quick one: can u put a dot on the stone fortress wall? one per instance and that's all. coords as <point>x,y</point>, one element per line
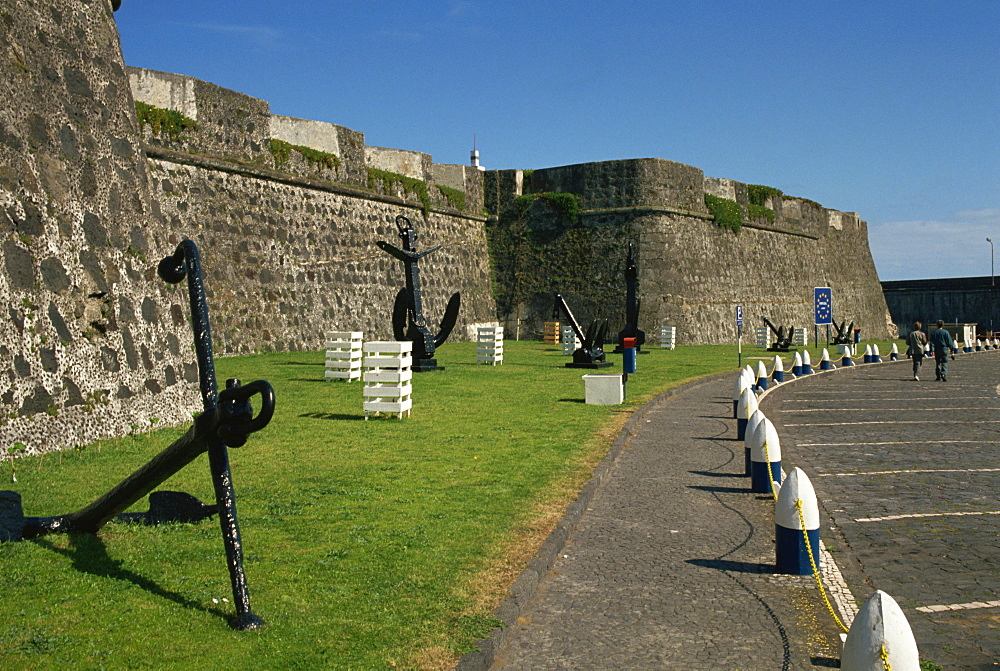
<point>286,213</point>
<point>692,273</point>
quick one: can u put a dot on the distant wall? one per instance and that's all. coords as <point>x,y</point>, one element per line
<point>956,299</point>
<point>692,273</point>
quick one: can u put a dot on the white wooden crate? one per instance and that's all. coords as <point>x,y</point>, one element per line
<point>570,342</point>
<point>489,345</point>
<point>388,378</point>
<point>668,337</point>
<point>343,355</point>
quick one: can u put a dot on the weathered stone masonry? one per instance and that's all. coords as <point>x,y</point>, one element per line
<point>91,199</point>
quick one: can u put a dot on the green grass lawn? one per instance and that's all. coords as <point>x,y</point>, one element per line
<point>369,544</point>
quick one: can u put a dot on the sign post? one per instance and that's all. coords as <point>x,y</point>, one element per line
<point>739,336</point>
<point>823,304</point>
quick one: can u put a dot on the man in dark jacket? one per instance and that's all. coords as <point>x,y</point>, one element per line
<point>942,341</point>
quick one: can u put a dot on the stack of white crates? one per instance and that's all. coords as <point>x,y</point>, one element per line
<point>799,337</point>
<point>489,345</point>
<point>343,355</point>
<point>763,337</point>
<point>570,342</point>
<point>388,378</point>
<point>668,337</point>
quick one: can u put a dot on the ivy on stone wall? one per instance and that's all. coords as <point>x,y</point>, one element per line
<point>168,124</point>
<point>455,198</point>
<point>282,152</point>
<point>725,212</point>
<point>758,194</point>
<point>760,212</point>
<point>539,246</point>
<point>387,182</point>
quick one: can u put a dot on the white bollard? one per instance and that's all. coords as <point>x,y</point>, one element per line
<point>753,425</point>
<point>747,404</point>
<point>894,354</point>
<point>868,354</point>
<point>880,638</point>
<point>761,376</point>
<point>778,370</point>
<point>790,547</point>
<point>765,458</point>
<point>824,362</point>
<point>846,361</point>
<point>742,382</point>
<point>876,355</point>
<point>797,365</point>
<point>807,364</point>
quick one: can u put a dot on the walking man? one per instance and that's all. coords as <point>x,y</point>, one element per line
<point>917,341</point>
<point>942,341</point>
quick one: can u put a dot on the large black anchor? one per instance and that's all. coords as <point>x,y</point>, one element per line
<point>782,337</point>
<point>590,354</point>
<point>408,321</point>
<point>228,420</point>
<point>632,303</point>
<point>844,336</point>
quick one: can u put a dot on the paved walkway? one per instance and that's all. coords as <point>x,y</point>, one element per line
<point>910,474</point>
<point>666,561</point>
<point>670,563</point>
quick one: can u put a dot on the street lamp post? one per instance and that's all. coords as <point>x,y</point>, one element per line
<point>992,285</point>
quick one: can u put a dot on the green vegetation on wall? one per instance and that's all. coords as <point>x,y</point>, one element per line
<point>758,194</point>
<point>386,182</point>
<point>539,246</point>
<point>282,152</point>
<point>725,212</point>
<point>167,124</point>
<point>455,198</point>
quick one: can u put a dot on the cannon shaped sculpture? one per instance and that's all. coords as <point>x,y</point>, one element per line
<point>632,304</point>
<point>228,420</point>
<point>782,337</point>
<point>590,354</point>
<point>408,323</point>
<point>844,336</point>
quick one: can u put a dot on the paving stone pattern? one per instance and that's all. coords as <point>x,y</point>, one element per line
<point>878,444</point>
<point>671,565</point>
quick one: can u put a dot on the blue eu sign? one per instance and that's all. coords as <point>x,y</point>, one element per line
<point>739,315</point>
<point>824,305</point>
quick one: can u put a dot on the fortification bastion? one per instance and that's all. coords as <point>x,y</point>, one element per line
<point>105,168</point>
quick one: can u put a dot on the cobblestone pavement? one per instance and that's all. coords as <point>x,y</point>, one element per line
<point>909,474</point>
<point>671,564</point>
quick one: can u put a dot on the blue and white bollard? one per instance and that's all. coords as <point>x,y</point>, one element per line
<point>807,364</point>
<point>747,404</point>
<point>797,365</point>
<point>753,425</point>
<point>761,376</point>
<point>846,361</point>
<point>876,355</point>
<point>742,382</point>
<point>765,458</point>
<point>880,637</point>
<point>894,354</point>
<point>824,362</point>
<point>967,348</point>
<point>868,354</point>
<point>778,371</point>
<point>790,546</point>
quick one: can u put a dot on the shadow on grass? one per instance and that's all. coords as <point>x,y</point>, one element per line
<point>571,400</point>
<point>330,415</point>
<point>734,566</point>
<point>88,554</point>
<point>300,363</point>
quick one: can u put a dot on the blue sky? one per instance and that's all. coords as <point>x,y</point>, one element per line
<point>888,109</point>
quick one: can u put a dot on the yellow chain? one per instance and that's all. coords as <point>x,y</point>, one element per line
<point>816,575</point>
<point>884,654</point>
<point>767,462</point>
